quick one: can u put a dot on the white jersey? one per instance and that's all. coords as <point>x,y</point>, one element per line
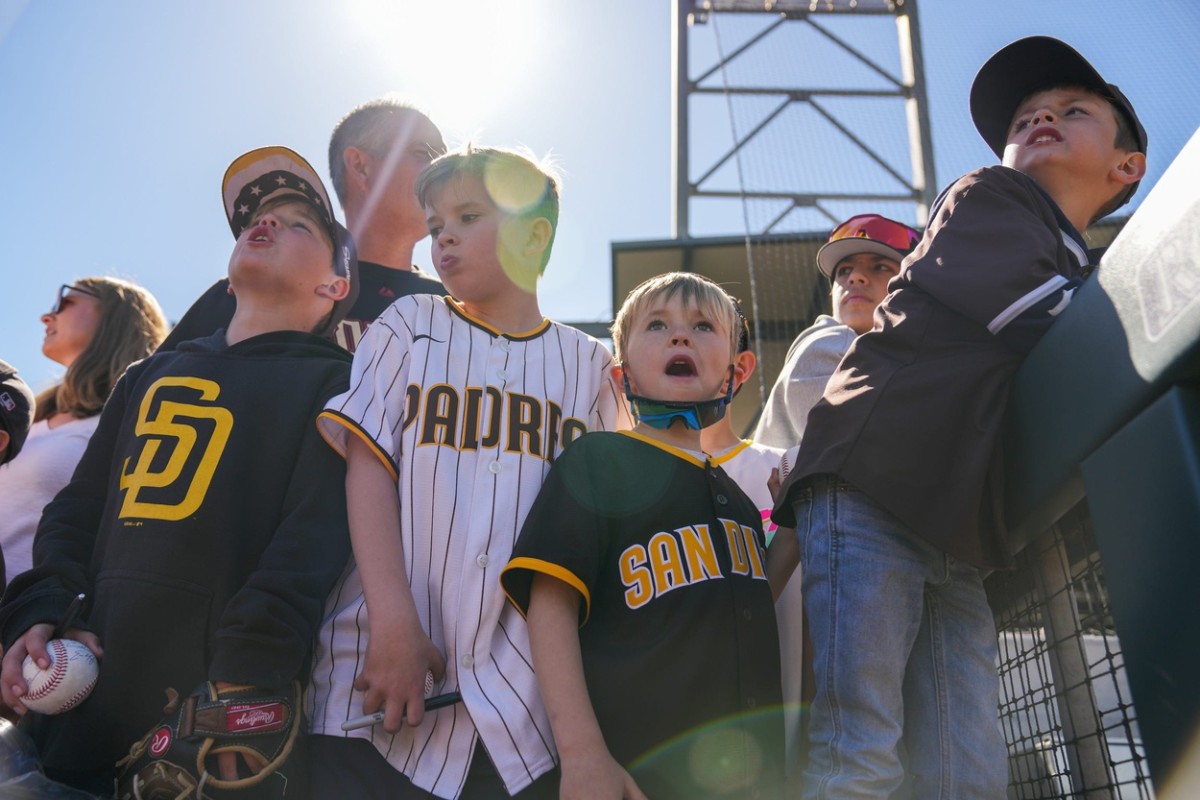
<point>750,464</point>
<point>469,421</point>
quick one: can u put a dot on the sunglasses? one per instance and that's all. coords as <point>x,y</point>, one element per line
<point>894,234</point>
<point>63,298</point>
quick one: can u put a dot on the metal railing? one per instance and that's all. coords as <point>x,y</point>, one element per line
<point>1065,707</point>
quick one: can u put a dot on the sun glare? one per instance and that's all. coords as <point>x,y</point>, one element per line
<point>462,61</point>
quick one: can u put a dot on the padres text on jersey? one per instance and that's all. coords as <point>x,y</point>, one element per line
<point>468,420</point>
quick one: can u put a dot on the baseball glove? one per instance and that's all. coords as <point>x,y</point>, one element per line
<point>177,758</point>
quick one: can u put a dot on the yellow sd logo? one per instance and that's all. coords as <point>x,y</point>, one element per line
<point>164,428</point>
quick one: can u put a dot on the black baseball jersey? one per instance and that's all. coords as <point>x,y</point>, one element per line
<point>678,635</point>
<point>913,414</point>
<point>206,523</point>
<point>378,287</point>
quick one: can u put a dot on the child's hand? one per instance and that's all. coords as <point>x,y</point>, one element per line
<point>33,643</point>
<point>393,676</point>
<point>598,776</point>
<point>773,484</point>
<point>786,462</point>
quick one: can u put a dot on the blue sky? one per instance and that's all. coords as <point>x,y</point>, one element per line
<point>120,117</point>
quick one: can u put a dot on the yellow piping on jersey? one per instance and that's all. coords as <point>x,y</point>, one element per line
<point>454,306</point>
<point>339,445</point>
<point>553,571</point>
<point>675,451</point>
<point>717,461</point>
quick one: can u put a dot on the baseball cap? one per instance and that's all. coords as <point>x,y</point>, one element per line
<point>267,173</point>
<point>866,233</point>
<point>1029,65</point>
<point>16,409</point>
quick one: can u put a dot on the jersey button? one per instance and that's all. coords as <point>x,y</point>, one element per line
<point>494,468</point>
<point>750,701</point>
<point>502,374</point>
<point>746,613</point>
<point>722,499</point>
<point>505,345</point>
<point>481,560</point>
<point>468,662</point>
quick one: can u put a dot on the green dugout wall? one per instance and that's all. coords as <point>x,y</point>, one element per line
<point>1107,408</point>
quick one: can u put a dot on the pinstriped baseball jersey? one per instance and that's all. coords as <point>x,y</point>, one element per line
<point>469,421</point>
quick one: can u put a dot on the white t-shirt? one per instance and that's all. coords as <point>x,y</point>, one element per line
<point>30,481</point>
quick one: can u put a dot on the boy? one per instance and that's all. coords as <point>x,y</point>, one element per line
<point>861,256</point>
<point>896,486</point>
<point>457,409</point>
<point>206,521</point>
<point>641,570</point>
<point>375,155</point>
<point>16,411</point>
<point>16,415</point>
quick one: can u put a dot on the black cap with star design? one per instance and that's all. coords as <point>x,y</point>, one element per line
<point>270,172</point>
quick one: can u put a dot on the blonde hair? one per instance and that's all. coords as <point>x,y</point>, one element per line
<point>692,290</point>
<point>131,327</point>
<point>514,180</point>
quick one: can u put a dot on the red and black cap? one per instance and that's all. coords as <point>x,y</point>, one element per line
<point>866,233</point>
<point>1031,65</point>
<point>270,172</point>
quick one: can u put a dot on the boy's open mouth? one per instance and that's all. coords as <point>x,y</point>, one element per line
<point>681,366</point>
<point>1045,133</point>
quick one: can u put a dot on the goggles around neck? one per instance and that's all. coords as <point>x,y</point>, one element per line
<point>661,414</point>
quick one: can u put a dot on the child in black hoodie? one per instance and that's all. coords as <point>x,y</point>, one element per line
<point>206,521</point>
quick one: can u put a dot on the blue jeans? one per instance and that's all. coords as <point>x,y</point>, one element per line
<point>904,653</point>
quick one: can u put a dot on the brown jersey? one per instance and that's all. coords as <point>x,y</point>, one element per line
<point>913,415</point>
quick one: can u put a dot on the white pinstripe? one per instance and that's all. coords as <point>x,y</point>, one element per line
<point>462,504</point>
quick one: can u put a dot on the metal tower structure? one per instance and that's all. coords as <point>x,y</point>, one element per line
<point>692,176</point>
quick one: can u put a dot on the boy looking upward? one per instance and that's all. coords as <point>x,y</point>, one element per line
<point>376,153</point>
<point>205,547</point>
<point>641,570</point>
<point>896,489</point>
<point>457,408</point>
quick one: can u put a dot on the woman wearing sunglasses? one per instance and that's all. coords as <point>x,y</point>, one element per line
<point>96,328</point>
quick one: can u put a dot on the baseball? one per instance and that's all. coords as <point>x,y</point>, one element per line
<point>70,678</point>
<point>786,462</point>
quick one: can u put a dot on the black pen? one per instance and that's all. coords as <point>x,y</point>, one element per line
<point>69,616</point>
<point>431,704</point>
